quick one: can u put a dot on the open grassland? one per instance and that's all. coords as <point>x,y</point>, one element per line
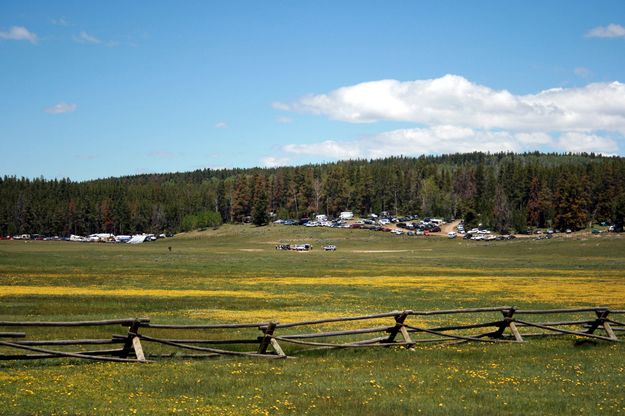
<point>234,274</point>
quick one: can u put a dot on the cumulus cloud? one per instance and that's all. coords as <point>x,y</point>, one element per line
<point>453,100</point>
<point>329,148</point>
<point>86,38</point>
<point>19,33</point>
<point>450,139</point>
<point>578,142</point>
<point>221,125</point>
<point>609,31</point>
<point>60,108</point>
<point>452,114</point>
<point>272,162</point>
<point>536,138</point>
<point>412,142</point>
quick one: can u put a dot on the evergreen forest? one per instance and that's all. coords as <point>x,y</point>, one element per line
<point>502,191</point>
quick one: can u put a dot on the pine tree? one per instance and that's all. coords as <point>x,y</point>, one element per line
<point>619,213</point>
<point>259,213</point>
<point>501,211</point>
<point>571,202</point>
<point>533,204</point>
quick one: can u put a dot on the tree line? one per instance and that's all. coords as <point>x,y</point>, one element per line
<point>504,191</point>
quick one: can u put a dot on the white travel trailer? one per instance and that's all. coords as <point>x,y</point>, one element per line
<point>346,215</point>
<point>101,237</point>
<point>138,239</point>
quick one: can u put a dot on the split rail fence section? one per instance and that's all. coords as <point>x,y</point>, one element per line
<point>401,329</point>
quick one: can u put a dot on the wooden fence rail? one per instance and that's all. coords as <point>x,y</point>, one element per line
<point>404,328</point>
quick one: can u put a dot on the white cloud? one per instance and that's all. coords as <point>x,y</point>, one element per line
<point>452,114</point>
<point>272,162</point>
<point>609,31</point>
<point>61,108</point>
<point>536,138</point>
<point>579,142</point>
<point>221,125</point>
<point>412,142</point>
<point>328,148</point>
<point>86,38</point>
<point>284,120</point>
<point>19,33</point>
<point>453,100</point>
<point>450,139</point>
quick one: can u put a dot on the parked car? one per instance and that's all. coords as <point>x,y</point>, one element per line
<point>329,247</point>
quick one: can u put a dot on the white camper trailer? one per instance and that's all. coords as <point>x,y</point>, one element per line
<point>347,215</point>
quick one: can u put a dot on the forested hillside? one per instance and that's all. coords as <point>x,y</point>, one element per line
<point>503,191</point>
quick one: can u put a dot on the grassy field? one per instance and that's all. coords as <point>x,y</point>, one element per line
<point>234,274</point>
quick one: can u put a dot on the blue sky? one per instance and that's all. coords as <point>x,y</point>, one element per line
<point>99,89</point>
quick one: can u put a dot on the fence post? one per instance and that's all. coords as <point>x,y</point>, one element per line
<point>508,322</point>
<point>602,315</point>
<point>268,339</point>
<point>133,342</point>
<point>399,328</point>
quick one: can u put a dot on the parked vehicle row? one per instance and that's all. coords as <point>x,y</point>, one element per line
<point>93,238</point>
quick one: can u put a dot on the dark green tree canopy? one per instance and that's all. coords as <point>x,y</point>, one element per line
<point>499,190</point>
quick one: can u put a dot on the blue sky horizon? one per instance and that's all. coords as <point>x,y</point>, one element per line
<point>94,90</point>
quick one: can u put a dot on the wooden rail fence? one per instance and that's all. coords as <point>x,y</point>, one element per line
<point>512,326</point>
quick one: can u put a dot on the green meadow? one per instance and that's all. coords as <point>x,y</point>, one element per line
<point>235,275</point>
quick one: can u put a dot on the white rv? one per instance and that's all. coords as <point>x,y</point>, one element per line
<point>346,215</point>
